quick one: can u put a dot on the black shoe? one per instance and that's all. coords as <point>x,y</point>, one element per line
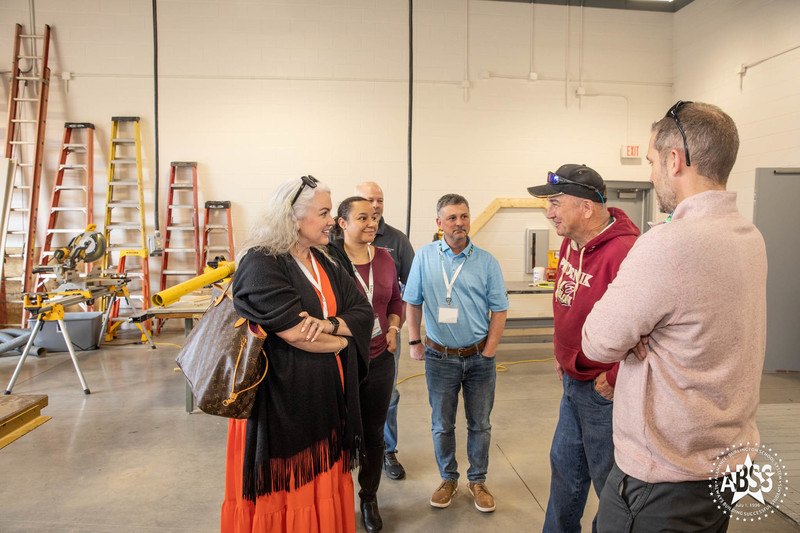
<point>392,467</point>
<point>371,516</point>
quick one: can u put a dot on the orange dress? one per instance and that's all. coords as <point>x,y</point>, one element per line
<point>325,505</point>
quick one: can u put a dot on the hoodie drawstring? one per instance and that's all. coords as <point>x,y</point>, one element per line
<point>580,270</point>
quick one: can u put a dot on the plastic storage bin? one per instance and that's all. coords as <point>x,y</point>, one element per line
<point>83,329</point>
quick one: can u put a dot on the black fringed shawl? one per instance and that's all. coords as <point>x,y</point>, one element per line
<point>302,422</point>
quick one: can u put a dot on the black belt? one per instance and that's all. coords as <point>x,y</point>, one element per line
<point>466,351</point>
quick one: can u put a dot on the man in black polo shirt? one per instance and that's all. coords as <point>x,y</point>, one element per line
<point>399,247</point>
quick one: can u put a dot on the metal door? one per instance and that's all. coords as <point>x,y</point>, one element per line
<point>776,194</point>
<point>634,198</point>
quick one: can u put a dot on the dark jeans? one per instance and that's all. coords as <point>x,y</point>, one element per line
<point>629,505</point>
<point>374,394</point>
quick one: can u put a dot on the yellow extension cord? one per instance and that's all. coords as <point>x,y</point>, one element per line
<point>500,367</point>
<point>169,344</point>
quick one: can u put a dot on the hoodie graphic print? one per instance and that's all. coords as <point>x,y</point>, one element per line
<point>581,279</point>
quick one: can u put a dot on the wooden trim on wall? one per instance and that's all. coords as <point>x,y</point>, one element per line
<point>481,220</point>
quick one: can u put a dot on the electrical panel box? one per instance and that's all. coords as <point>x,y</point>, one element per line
<point>537,242</point>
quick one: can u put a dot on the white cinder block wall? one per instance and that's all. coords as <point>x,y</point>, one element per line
<point>712,38</point>
<point>259,91</point>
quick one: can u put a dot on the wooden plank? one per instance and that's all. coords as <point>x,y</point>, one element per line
<point>20,414</point>
<point>13,404</point>
<point>498,203</point>
<point>481,220</point>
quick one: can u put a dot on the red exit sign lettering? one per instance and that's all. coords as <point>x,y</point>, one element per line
<point>630,151</point>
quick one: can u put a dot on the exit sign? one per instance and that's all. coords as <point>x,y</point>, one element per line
<point>630,151</point>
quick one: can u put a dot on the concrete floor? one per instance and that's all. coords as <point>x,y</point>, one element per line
<point>129,458</point>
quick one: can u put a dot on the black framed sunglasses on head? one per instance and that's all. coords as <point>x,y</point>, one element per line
<point>308,181</point>
<point>554,179</point>
<point>673,114</point>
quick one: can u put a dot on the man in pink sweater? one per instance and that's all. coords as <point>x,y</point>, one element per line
<point>596,240</point>
<point>686,315</point>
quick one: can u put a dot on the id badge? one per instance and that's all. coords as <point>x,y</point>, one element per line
<point>376,328</point>
<point>448,315</point>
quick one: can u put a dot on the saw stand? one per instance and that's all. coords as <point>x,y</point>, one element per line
<point>49,309</point>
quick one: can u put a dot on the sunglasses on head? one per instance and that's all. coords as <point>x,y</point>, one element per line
<point>673,114</point>
<point>308,181</point>
<point>555,179</point>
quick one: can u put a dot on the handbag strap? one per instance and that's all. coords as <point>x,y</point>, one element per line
<point>218,300</point>
<point>234,394</point>
<point>221,298</point>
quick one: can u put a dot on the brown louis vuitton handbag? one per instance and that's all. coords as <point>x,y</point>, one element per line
<point>224,360</point>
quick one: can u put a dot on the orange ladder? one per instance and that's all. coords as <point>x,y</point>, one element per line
<point>25,130</point>
<point>211,228</point>
<point>72,193</point>
<point>187,249</point>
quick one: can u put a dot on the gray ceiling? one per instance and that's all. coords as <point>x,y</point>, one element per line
<point>640,5</point>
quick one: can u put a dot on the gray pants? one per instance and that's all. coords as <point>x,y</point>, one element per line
<point>629,505</point>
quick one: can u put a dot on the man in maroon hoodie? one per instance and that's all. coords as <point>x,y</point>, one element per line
<point>596,240</point>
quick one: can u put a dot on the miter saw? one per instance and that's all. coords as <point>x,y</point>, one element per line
<point>73,289</point>
<point>87,247</point>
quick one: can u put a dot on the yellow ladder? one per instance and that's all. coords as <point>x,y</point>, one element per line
<point>125,229</point>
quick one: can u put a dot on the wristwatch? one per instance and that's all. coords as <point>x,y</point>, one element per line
<point>335,323</point>
<point>412,343</point>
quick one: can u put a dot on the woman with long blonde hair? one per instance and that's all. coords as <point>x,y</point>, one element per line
<point>288,465</point>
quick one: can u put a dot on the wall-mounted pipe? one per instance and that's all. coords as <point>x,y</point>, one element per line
<point>465,83</point>
<point>410,107</point>
<point>580,58</point>
<point>743,68</point>
<point>566,61</point>
<point>532,62</point>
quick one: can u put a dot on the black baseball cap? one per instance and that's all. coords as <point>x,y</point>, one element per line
<point>574,180</point>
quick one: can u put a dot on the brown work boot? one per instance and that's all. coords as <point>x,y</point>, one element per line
<point>484,501</point>
<point>443,496</point>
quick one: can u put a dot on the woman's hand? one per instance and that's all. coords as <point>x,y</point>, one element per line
<point>312,327</point>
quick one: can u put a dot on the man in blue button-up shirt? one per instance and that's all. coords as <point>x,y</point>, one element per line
<point>460,284</point>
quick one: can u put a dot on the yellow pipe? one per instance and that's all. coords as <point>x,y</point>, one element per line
<point>173,294</point>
